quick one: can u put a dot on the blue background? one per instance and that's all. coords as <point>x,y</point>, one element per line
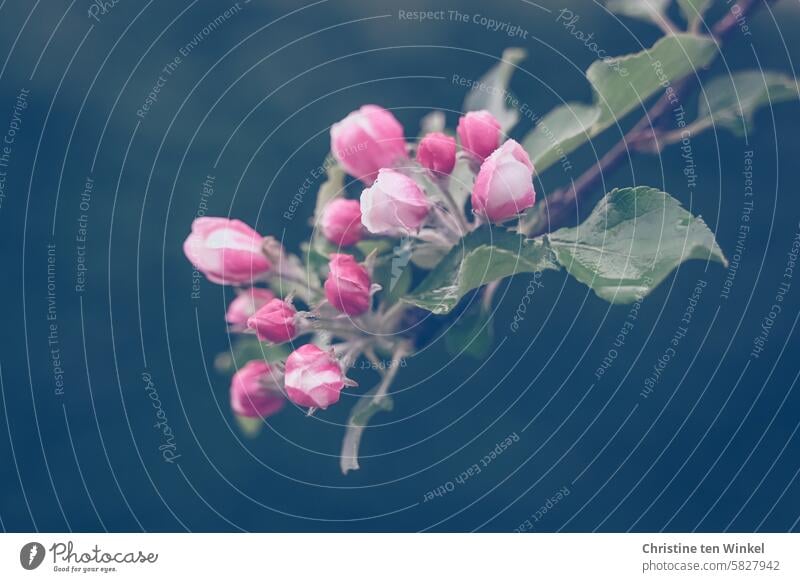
<point>713,448</point>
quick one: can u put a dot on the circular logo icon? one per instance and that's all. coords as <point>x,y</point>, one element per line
<point>31,555</point>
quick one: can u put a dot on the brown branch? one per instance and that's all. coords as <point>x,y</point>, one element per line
<point>560,206</point>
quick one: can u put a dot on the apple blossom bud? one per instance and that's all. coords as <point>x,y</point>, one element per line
<point>366,141</point>
<point>341,222</point>
<point>255,390</point>
<point>394,205</point>
<point>437,152</point>
<point>479,133</point>
<point>314,377</point>
<point>274,321</point>
<point>348,286</point>
<point>246,304</point>
<point>226,251</point>
<point>504,188</point>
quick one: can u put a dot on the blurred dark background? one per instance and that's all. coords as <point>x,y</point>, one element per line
<point>713,447</point>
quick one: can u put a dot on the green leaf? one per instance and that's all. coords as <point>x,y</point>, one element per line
<point>426,255</point>
<point>378,245</point>
<point>246,348</point>
<point>472,333</point>
<point>559,133</point>
<point>331,188</point>
<point>631,241</point>
<point>491,92</point>
<point>316,256</point>
<point>462,178</point>
<point>619,85</point>
<point>693,10</point>
<point>730,101</point>
<point>316,253</point>
<point>648,10</point>
<point>483,256</point>
<point>360,416</point>
<point>645,73</point>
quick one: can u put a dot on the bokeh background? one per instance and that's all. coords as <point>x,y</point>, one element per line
<point>714,447</point>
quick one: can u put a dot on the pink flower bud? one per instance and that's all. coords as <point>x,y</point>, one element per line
<point>341,222</point>
<point>437,152</point>
<point>226,251</point>
<point>479,133</point>
<point>394,205</point>
<point>274,321</point>
<point>366,141</point>
<point>347,287</point>
<point>313,377</point>
<point>504,188</point>
<point>246,304</point>
<point>255,390</point>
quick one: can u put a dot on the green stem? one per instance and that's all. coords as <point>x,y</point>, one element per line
<point>457,212</point>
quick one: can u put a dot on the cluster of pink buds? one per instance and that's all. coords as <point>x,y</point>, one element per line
<point>405,196</point>
<point>229,252</point>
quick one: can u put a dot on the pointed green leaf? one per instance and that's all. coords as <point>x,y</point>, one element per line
<point>559,133</point>
<point>483,256</point>
<point>620,85</point>
<point>491,92</point>
<point>625,83</point>
<point>462,178</point>
<point>331,188</point>
<point>631,241</point>
<point>426,255</point>
<point>731,100</point>
<point>380,246</point>
<point>471,334</point>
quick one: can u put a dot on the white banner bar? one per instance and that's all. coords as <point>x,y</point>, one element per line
<point>400,557</point>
